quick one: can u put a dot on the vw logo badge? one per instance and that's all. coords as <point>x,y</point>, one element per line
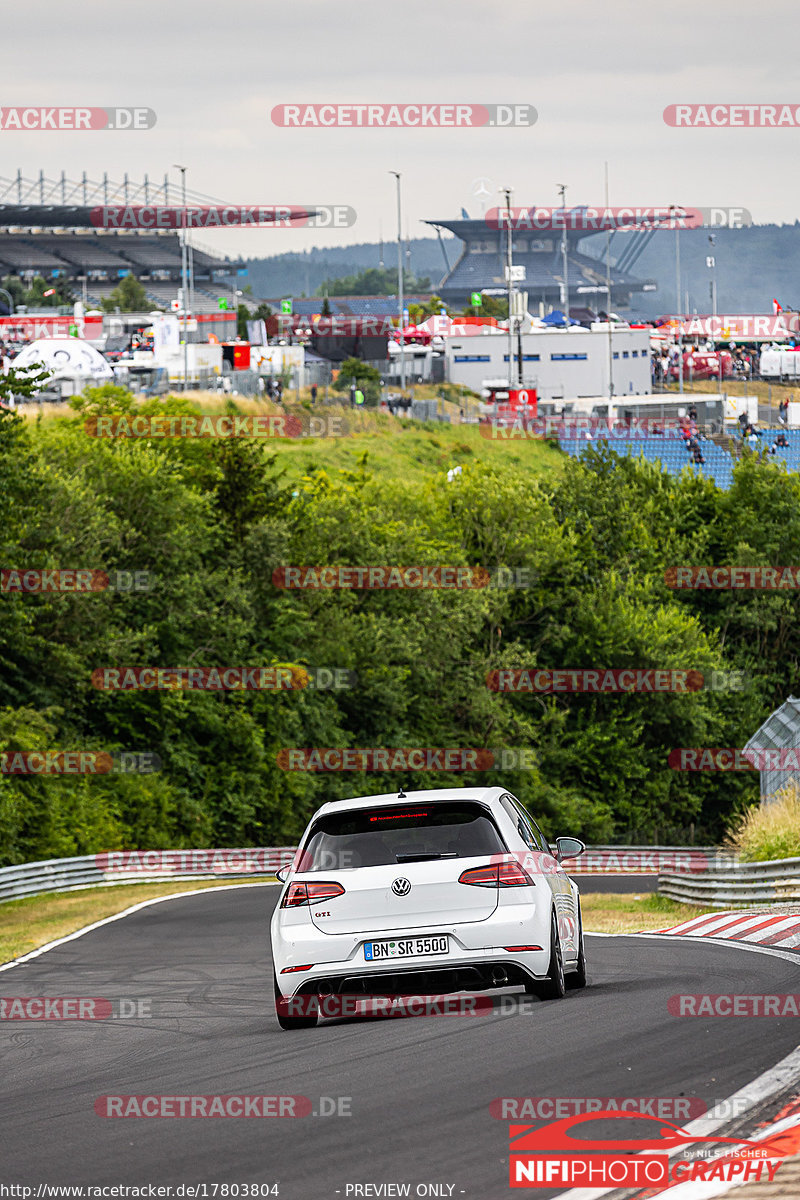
<point>401,887</point>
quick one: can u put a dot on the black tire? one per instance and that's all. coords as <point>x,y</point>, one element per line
<point>292,1022</point>
<point>577,978</point>
<point>553,987</point>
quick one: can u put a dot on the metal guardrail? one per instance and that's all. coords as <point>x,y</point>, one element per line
<point>740,884</point>
<point>123,867</point>
<point>115,867</point>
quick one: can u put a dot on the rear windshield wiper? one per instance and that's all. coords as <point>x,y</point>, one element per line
<point>424,857</point>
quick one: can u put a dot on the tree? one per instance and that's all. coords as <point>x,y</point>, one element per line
<point>493,306</point>
<point>367,378</point>
<point>242,317</point>
<point>374,281</point>
<point>430,308</point>
<point>22,382</point>
<point>128,296</point>
<point>325,311</point>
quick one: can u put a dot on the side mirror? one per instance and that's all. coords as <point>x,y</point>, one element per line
<point>282,874</point>
<point>568,847</point>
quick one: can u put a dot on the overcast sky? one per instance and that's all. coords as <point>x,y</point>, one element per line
<point>599,76</point>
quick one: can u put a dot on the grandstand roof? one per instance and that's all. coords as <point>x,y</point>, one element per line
<point>482,264</point>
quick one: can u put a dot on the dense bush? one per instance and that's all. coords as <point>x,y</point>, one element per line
<point>762,834</point>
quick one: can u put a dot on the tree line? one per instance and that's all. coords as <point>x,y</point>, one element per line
<point>209,522</point>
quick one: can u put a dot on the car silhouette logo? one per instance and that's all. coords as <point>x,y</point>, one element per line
<point>401,886</point>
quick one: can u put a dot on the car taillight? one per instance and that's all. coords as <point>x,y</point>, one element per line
<point>519,949</point>
<point>504,874</point>
<point>298,894</point>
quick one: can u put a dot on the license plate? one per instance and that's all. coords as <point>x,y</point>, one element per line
<point>405,948</point>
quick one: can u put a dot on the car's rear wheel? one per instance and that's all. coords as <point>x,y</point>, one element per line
<point>553,986</point>
<point>577,978</point>
<point>288,1020</point>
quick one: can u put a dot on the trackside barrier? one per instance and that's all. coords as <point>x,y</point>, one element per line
<point>116,867</point>
<point>138,866</point>
<point>775,882</point>
<point>646,860</point>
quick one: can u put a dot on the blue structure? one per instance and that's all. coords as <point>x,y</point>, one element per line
<point>670,452</point>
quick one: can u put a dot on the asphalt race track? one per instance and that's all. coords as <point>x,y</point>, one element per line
<point>420,1088</point>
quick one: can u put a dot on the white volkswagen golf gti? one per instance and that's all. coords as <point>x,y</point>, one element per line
<point>421,894</point>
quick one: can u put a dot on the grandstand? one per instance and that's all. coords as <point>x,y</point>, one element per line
<point>669,452</point>
<point>43,231</point>
<point>481,267</point>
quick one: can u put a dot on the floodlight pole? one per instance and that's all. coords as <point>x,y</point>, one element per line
<point>509,273</point>
<point>184,281</point>
<point>674,209</point>
<point>608,314</point>
<point>562,188</point>
<point>400,282</point>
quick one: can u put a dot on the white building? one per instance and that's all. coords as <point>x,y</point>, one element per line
<point>560,364</point>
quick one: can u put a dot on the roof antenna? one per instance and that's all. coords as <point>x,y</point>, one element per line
<point>401,794</point>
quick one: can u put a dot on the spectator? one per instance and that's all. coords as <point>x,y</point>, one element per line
<point>783,411</point>
<point>692,413</point>
<point>697,455</point>
<point>313,393</point>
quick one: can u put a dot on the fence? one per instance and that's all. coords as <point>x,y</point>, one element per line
<point>138,866</point>
<point>776,882</point>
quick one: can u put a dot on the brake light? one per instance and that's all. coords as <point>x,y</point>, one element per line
<point>503,874</point>
<point>298,894</point>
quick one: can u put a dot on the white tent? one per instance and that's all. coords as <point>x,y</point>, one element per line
<point>66,358</point>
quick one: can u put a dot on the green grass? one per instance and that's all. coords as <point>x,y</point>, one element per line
<point>27,924</point>
<point>630,912</point>
<point>395,447</point>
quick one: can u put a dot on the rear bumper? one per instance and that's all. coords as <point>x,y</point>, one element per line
<point>337,964</point>
<point>418,980</point>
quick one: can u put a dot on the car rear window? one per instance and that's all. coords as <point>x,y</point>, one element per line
<point>379,837</point>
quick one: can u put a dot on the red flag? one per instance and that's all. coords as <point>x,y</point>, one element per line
<point>776,308</point>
